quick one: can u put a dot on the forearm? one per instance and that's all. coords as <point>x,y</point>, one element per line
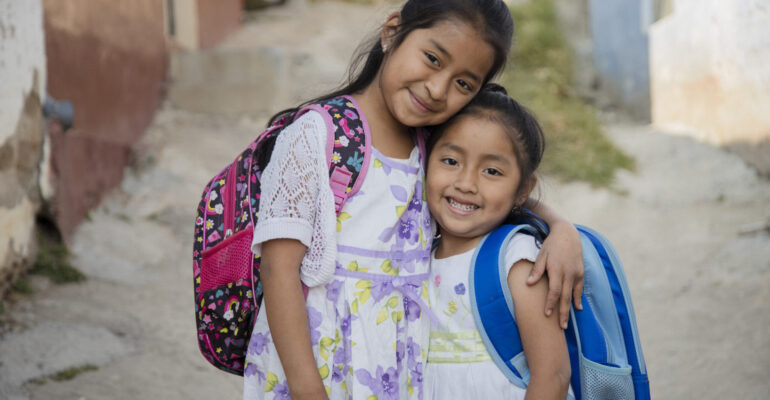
<point>553,385</point>
<point>548,214</point>
<point>288,322</point>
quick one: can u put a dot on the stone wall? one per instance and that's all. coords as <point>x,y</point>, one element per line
<point>22,86</point>
<point>710,77</point>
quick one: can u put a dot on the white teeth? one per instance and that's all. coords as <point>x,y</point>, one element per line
<point>464,207</point>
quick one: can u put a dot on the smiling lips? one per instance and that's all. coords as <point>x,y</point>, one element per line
<point>461,207</point>
<point>420,104</point>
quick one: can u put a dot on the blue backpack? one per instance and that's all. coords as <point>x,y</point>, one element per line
<point>602,339</point>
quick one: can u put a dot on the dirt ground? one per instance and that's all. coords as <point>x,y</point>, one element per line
<point>691,225</point>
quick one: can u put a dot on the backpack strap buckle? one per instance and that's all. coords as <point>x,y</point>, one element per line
<point>339,181</point>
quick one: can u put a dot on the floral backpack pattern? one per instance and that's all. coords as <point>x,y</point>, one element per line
<point>225,271</point>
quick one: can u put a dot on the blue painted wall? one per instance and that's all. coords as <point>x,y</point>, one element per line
<point>621,52</point>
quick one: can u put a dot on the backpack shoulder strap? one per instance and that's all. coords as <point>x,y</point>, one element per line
<point>492,304</point>
<point>348,145</point>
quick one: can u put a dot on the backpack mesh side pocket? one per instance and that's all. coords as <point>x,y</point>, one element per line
<point>605,382</point>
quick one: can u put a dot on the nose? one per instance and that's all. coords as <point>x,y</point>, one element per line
<point>438,86</point>
<point>466,181</point>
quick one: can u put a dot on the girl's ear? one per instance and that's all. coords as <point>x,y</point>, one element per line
<point>390,29</point>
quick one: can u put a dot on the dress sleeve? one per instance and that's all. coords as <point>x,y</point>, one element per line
<point>296,201</point>
<point>521,247</point>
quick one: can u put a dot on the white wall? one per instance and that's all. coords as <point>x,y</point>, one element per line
<point>22,53</point>
<point>22,77</point>
<point>710,70</point>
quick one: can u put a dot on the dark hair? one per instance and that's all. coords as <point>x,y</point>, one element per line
<point>492,102</point>
<point>491,18</point>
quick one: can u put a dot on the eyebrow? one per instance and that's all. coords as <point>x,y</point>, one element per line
<point>446,54</point>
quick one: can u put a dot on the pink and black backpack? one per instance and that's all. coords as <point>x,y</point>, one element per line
<point>225,271</point>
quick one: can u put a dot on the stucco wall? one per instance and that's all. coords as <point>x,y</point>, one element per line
<point>710,74</point>
<point>620,52</point>
<point>217,19</point>
<point>109,59</point>
<point>202,24</point>
<point>22,85</point>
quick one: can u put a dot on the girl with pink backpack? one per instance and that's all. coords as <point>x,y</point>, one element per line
<point>363,251</point>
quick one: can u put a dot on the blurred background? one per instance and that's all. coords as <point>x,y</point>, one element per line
<point>114,115</point>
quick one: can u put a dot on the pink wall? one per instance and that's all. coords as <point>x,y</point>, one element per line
<point>109,59</point>
<point>217,19</point>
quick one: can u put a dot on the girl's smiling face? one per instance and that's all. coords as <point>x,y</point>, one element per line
<point>433,72</point>
<point>472,181</point>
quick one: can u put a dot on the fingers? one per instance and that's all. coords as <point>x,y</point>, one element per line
<point>538,269</point>
<point>565,301</point>
<point>554,292</point>
<point>577,292</point>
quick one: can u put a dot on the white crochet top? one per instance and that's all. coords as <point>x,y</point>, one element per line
<point>296,200</point>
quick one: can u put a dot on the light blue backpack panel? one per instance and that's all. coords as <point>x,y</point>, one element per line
<point>602,339</point>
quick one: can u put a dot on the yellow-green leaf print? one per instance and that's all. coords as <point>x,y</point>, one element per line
<point>326,341</point>
<point>342,217</point>
<point>387,267</point>
<point>377,163</point>
<point>400,211</point>
<point>324,371</point>
<point>354,306</point>
<point>382,315</point>
<point>272,380</point>
<point>393,302</point>
<point>325,353</point>
<point>372,397</point>
<point>397,316</point>
<point>451,309</point>
<point>365,292</point>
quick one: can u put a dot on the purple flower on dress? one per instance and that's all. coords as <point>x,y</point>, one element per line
<point>281,391</point>
<point>333,290</point>
<point>460,288</point>
<point>416,373</point>
<point>408,230</point>
<point>252,370</point>
<point>416,202</point>
<point>345,324</point>
<point>417,379</point>
<point>411,309</point>
<point>258,343</point>
<point>412,353</point>
<point>314,319</point>
<point>381,289</point>
<point>384,385</point>
<point>337,372</point>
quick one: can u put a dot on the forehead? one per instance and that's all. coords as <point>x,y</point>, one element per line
<point>463,43</point>
<point>478,134</point>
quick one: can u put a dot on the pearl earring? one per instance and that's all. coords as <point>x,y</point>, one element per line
<point>384,48</point>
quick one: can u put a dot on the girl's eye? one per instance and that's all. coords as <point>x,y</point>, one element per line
<point>432,59</point>
<point>493,171</point>
<point>449,161</point>
<point>465,85</point>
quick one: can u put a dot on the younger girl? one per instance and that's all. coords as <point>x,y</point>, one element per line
<point>480,171</point>
<point>361,330</point>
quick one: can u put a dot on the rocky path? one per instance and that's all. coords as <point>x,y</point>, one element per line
<point>690,225</point>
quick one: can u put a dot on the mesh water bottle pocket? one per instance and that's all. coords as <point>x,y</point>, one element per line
<point>605,382</point>
<point>228,261</point>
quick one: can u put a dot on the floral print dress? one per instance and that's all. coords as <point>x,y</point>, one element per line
<point>367,325</point>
